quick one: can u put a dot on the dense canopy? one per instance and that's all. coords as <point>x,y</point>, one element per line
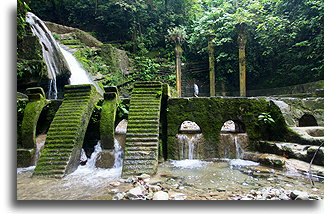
<point>284,39</point>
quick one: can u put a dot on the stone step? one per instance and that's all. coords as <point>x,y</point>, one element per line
<point>140,162</point>
<point>72,105</point>
<point>145,121</point>
<point>59,164</point>
<point>59,146</point>
<point>63,128</point>
<point>66,138</point>
<point>57,154</point>
<point>140,155</point>
<point>144,110</point>
<point>148,114</point>
<point>143,117</point>
<point>144,100</point>
<point>142,144</point>
<point>141,139</point>
<point>68,117</point>
<point>68,113</point>
<point>142,135</point>
<point>71,132</point>
<point>61,124</point>
<point>58,150</point>
<point>147,130</point>
<point>80,95</point>
<point>77,100</point>
<point>50,166</point>
<point>130,125</point>
<point>143,148</point>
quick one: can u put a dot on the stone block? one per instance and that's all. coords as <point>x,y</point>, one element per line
<point>25,157</point>
<point>106,159</point>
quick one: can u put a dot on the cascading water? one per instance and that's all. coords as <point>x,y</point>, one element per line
<point>189,146</point>
<point>119,154</point>
<point>57,58</point>
<point>50,51</point>
<point>78,74</point>
<point>232,144</point>
<point>232,141</point>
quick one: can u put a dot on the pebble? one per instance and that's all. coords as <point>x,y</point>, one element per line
<point>160,195</point>
<point>178,196</point>
<point>114,183</point>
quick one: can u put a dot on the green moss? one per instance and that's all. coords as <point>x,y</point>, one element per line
<point>71,42</point>
<point>25,157</point>
<point>29,123</point>
<point>107,123</point>
<point>21,105</point>
<point>211,113</point>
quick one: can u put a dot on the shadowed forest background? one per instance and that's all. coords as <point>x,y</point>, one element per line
<point>283,40</point>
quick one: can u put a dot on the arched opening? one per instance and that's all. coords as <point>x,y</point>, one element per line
<point>120,132</point>
<point>307,120</point>
<point>189,141</point>
<point>233,139</point>
<point>234,126</point>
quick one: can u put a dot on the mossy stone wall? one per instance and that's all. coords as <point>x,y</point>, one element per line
<point>210,113</point>
<point>29,122</point>
<point>108,117</point>
<point>294,108</point>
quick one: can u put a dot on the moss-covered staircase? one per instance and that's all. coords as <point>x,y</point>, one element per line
<point>62,150</point>
<point>142,137</point>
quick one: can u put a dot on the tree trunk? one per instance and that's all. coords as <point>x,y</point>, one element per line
<point>178,53</point>
<point>241,41</point>
<point>211,58</point>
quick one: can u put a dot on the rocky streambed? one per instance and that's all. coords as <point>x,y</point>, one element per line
<point>221,180</point>
<point>175,180</point>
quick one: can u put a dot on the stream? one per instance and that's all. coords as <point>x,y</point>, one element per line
<point>218,179</point>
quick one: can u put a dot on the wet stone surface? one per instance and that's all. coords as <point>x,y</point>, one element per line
<point>177,180</point>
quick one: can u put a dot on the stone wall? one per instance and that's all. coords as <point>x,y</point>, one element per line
<point>211,113</point>
<point>294,109</point>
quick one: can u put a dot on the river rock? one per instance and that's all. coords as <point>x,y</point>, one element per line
<point>135,193</point>
<point>299,195</point>
<point>154,188</point>
<point>119,196</point>
<point>178,196</point>
<point>143,177</point>
<point>114,183</point>
<point>160,195</point>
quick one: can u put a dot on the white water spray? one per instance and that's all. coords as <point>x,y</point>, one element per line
<point>78,74</point>
<point>189,145</point>
<point>49,48</point>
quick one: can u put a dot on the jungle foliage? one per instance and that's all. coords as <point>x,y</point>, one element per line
<point>284,39</point>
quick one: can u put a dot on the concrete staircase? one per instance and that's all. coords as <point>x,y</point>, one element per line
<point>62,150</point>
<point>142,138</point>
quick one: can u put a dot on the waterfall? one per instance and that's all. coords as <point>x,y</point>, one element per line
<point>189,146</point>
<point>232,144</point>
<point>118,152</point>
<point>50,51</point>
<point>78,74</point>
<point>91,163</point>
<point>238,148</point>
